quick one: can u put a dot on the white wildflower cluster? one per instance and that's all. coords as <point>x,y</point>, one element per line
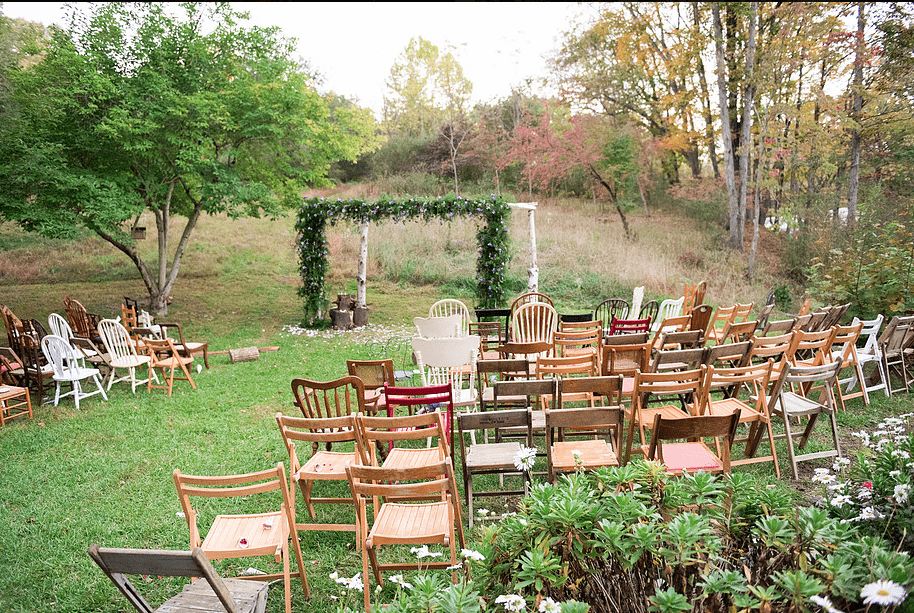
<point>525,458</point>
<point>548,605</point>
<point>825,603</point>
<point>398,580</point>
<point>351,583</point>
<point>471,554</point>
<point>423,552</point>
<point>512,602</point>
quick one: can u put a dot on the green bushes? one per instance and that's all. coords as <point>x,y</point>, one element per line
<point>630,539</point>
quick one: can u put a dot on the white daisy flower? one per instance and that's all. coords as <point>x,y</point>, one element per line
<point>840,500</point>
<point>398,579</point>
<point>825,603</point>
<point>885,593</point>
<point>472,555</point>
<point>525,458</point>
<point>901,493</point>
<point>548,605</point>
<point>512,602</point>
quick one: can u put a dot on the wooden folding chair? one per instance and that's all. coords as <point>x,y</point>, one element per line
<point>406,523</point>
<point>626,360</point>
<point>165,356</point>
<point>685,386</point>
<point>212,594</point>
<point>245,535</point>
<point>721,318</point>
<point>693,455</point>
<point>390,435</point>
<point>844,348</point>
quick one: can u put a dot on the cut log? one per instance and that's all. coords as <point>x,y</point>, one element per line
<point>245,354</point>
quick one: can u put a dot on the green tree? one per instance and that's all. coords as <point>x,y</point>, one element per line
<point>177,110</point>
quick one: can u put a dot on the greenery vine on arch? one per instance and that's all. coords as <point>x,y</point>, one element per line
<point>491,238</point>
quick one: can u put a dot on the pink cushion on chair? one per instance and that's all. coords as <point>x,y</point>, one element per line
<point>13,366</point>
<point>690,456</point>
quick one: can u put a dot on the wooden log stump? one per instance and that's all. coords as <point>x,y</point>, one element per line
<point>245,354</point>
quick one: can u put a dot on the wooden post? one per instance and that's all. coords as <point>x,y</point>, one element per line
<point>533,273</point>
<point>362,297</point>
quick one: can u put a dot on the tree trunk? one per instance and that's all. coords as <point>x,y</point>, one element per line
<point>853,183</point>
<point>746,138</point>
<point>729,171</point>
<point>362,292</point>
<point>706,101</point>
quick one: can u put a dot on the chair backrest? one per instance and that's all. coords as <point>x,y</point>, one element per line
<point>775,347</point>
<point>128,314</point>
<point>650,310</point>
<point>765,313</point>
<point>337,398</point>
<point>637,300</point>
<point>846,338</point>
<point>811,345</point>
<point>60,355</point>
<point>11,322</point>
<point>741,312</point>
<point>802,321</point>
<point>578,340</point>
<point>495,420</point>
<point>687,339</point>
<point>870,334</point>
<point>701,317</point>
<point>542,388</point>
<point>791,374</point>
<point>558,367</point>
<point>778,326</point>
<point>610,309</point>
<point>688,358</point>
<point>446,360</point>
<point>684,385</point>
<point>816,319</point>
<point>756,377</point>
<point>671,308</point>
<point>528,298</point>
<point>116,563</point>
<point>588,419</point>
<point>722,316</point>
<point>734,354</point>
<point>161,349</point>
<point>896,341</point>
<point>737,332</point>
<point>490,334</point>
<point>693,295</point>
<point>804,308</point>
<point>81,321</point>
<point>626,339</point>
<point>677,323</point>
<point>625,360</point>
<point>426,423</point>
<point>608,387</point>
<point>694,427</point>
<point>451,306</point>
<point>59,326</point>
<point>534,322</point>
<point>373,373</point>
<point>116,339</point>
<point>439,327</point>
<point>326,430</point>
<point>628,326</point>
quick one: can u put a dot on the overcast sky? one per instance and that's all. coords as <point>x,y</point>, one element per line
<point>353,45</point>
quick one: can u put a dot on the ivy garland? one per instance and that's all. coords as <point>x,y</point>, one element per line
<point>491,238</point>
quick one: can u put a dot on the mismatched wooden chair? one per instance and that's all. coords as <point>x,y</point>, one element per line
<point>610,309</point>
<point>692,455</point>
<point>374,374</point>
<point>165,356</point>
<point>684,386</point>
<point>211,595</point>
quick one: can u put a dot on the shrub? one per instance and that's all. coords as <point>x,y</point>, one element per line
<point>631,539</point>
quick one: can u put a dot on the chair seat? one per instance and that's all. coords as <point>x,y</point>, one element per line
<point>728,405</point>
<point>77,373</point>
<point>199,597</point>
<point>594,454</point>
<point>329,465</point>
<point>796,405</point>
<point>403,457</point>
<point>190,346</point>
<point>224,537</point>
<point>492,456</point>
<point>428,523</point>
<point>174,361</point>
<point>130,361</point>
<point>690,456</point>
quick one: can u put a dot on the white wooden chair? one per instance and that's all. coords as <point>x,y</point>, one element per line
<point>452,306</point>
<point>439,327</point>
<point>123,354</point>
<point>668,308</point>
<point>451,361</point>
<point>67,369</point>
<point>61,327</point>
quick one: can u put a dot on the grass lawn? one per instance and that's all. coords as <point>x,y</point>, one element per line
<point>104,473</point>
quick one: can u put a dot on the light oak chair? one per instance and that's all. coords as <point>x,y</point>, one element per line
<point>165,356</point>
<point>374,374</point>
<point>244,535</point>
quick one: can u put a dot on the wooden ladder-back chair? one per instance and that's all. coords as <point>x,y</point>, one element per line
<point>244,535</point>
<point>560,368</point>
<point>451,306</point>
<point>789,406</point>
<point>610,309</point>
<point>492,458</point>
<point>213,594</point>
<point>693,455</point>
<point>123,354</point>
<point>323,465</point>
<point>870,352</point>
<point>701,318</point>
<point>844,348</point>
<point>323,399</point>
<point>374,374</point>
<point>668,308</point>
<point>68,369</point>
<point>535,322</point>
<point>693,295</point>
<point>165,356</point>
<point>730,382</point>
<point>629,326</point>
<point>684,386</point>
<point>406,523</point>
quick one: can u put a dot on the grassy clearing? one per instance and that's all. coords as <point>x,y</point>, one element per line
<point>103,474</point>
